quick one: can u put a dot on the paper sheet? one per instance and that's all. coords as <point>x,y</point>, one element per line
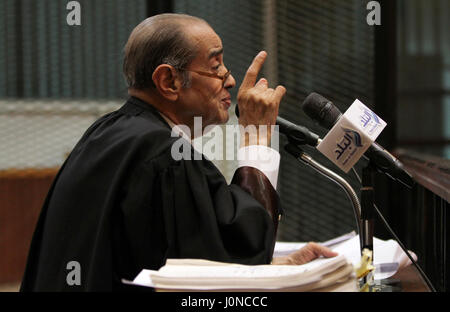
<point>388,256</point>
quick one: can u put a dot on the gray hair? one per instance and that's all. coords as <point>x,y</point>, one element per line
<point>157,40</point>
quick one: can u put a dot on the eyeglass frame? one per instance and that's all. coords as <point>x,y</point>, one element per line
<point>212,75</point>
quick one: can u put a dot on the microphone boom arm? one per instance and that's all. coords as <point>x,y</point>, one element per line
<point>301,156</point>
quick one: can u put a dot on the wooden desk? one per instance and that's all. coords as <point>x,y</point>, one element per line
<point>410,280</point>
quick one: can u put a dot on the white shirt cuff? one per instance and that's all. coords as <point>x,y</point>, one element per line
<point>263,158</point>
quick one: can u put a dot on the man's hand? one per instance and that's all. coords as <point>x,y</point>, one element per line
<point>306,254</point>
<point>258,104</point>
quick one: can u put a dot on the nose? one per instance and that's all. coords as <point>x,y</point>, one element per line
<point>230,82</point>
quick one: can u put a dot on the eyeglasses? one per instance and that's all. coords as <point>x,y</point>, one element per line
<point>212,75</point>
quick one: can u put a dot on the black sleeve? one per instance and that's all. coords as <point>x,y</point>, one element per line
<point>187,210</point>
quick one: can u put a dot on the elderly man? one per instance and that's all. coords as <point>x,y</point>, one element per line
<point>122,203</point>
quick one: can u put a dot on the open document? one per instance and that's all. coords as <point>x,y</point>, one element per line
<point>323,274</point>
<point>331,274</point>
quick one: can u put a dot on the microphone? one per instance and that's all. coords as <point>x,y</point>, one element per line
<point>324,113</point>
<point>296,134</point>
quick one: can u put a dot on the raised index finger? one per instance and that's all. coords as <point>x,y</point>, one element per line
<point>253,71</point>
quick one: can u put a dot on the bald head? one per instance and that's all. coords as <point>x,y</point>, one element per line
<point>160,39</point>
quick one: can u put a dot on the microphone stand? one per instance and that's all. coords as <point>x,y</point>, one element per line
<point>301,156</point>
<point>368,209</point>
<point>364,214</point>
<point>367,223</point>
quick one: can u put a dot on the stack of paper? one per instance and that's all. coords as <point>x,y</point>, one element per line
<point>323,274</point>
<point>331,274</point>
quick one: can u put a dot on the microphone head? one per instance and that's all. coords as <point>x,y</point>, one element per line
<point>321,110</point>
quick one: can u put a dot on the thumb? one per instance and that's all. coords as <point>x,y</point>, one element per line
<point>324,251</point>
<point>262,84</point>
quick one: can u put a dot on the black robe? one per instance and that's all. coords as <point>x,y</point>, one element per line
<point>120,203</point>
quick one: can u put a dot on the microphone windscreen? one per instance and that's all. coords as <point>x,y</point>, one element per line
<point>321,110</point>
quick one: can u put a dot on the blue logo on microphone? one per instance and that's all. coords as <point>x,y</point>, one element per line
<point>351,139</point>
<point>355,135</point>
<point>369,118</point>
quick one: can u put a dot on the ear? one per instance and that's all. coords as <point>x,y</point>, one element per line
<point>167,81</point>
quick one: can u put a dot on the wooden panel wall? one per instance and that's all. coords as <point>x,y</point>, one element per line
<point>22,193</point>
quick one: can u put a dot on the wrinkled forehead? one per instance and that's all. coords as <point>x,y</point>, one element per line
<point>208,43</point>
